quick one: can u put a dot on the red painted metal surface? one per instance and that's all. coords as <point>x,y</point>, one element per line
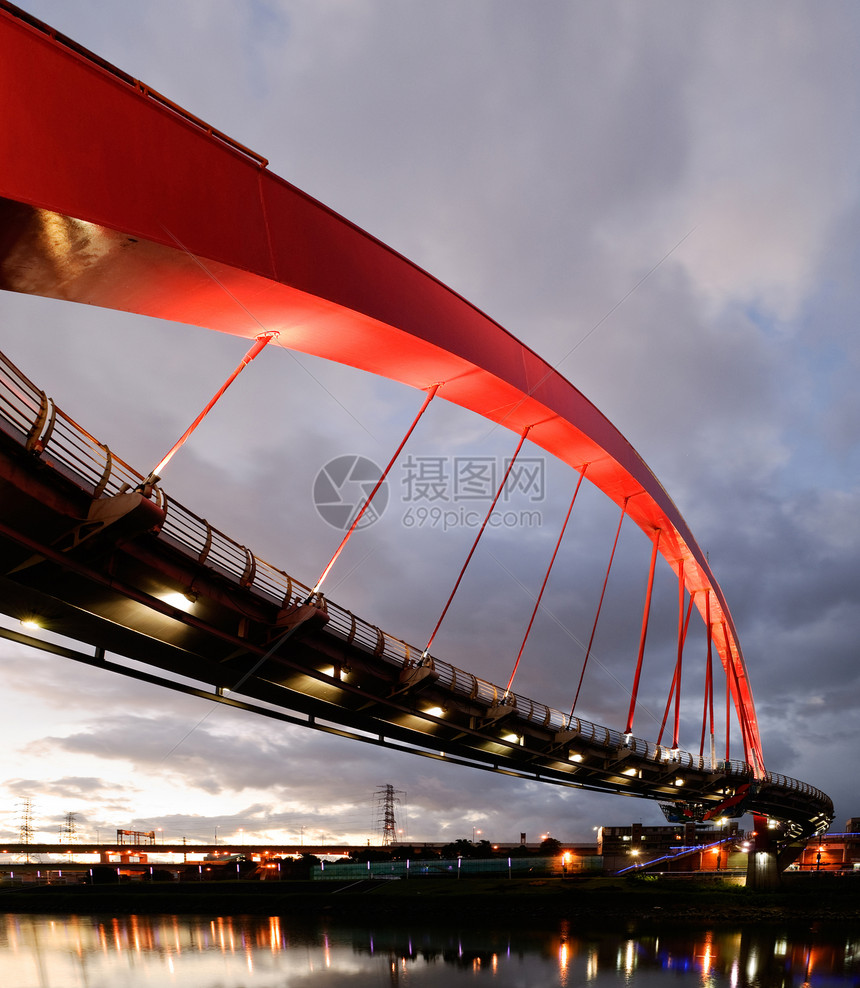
<point>115,197</point>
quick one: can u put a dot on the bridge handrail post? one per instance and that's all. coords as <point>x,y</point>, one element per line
<point>40,433</point>
<point>247,578</point>
<point>106,472</point>
<point>27,408</point>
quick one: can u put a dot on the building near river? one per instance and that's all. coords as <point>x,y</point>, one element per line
<point>636,845</point>
<point>832,852</point>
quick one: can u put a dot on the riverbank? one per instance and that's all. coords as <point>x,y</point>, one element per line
<point>602,900</point>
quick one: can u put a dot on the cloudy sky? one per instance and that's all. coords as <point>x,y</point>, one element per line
<point>660,198</point>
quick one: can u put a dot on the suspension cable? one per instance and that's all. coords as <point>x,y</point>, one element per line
<point>728,691</point>
<point>260,341</point>
<point>545,579</point>
<point>597,615</point>
<point>645,615</point>
<point>742,713</point>
<point>711,691</point>
<point>675,687</point>
<point>682,639</point>
<point>709,684</point>
<point>431,394</point>
<point>425,654</point>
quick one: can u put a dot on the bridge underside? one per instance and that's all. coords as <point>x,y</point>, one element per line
<point>97,571</point>
<point>109,594</point>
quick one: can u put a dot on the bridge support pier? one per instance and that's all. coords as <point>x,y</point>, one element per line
<point>762,870</point>
<point>763,859</point>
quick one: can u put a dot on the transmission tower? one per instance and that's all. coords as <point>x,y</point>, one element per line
<point>25,828</point>
<point>69,832</point>
<point>385,799</point>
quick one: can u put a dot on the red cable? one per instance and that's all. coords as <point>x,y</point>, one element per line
<point>545,579</point>
<point>742,714</point>
<point>475,543</point>
<point>710,671</point>
<point>259,342</point>
<point>675,687</point>
<point>709,683</point>
<point>668,704</point>
<point>728,690</point>
<point>682,640</point>
<point>676,677</point>
<point>708,674</point>
<point>597,615</point>
<point>431,394</point>
<point>645,615</point>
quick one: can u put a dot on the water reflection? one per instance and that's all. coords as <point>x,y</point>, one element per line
<point>195,952</point>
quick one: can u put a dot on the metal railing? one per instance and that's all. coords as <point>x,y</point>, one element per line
<point>795,785</point>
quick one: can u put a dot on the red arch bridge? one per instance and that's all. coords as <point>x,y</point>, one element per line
<point>103,201</point>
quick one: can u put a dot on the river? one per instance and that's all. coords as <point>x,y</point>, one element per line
<point>252,952</point>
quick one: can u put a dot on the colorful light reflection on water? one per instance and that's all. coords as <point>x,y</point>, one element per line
<point>251,952</point>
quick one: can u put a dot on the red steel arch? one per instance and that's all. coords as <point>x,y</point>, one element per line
<point>114,196</point>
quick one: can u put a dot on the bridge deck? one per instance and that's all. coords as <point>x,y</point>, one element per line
<point>97,562</point>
